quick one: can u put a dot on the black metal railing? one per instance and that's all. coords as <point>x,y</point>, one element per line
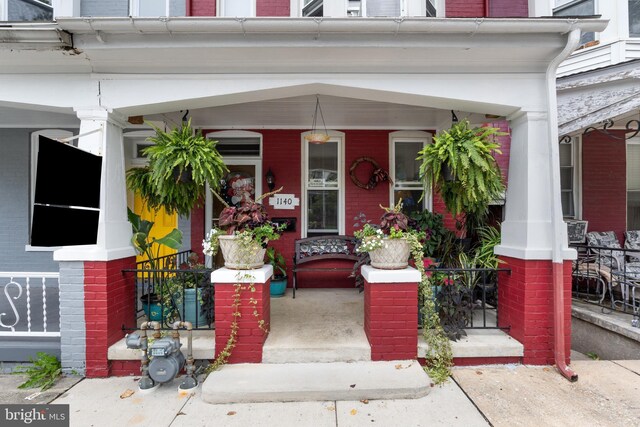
<point>609,277</point>
<point>466,298</point>
<point>172,288</point>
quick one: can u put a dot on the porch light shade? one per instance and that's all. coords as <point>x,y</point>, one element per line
<point>316,136</point>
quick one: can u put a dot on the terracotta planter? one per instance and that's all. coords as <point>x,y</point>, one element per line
<point>394,255</point>
<point>237,257</point>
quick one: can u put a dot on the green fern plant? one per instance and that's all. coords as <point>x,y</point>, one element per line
<point>468,154</point>
<point>181,162</point>
<point>44,372</point>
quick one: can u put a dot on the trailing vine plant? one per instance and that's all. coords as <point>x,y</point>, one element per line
<point>239,289</point>
<point>439,355</point>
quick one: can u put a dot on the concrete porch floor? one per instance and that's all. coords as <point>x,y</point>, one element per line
<point>327,325</point>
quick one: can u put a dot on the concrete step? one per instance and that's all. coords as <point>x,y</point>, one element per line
<point>300,382</point>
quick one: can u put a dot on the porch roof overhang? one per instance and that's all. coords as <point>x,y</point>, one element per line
<point>190,45</point>
<point>589,98</point>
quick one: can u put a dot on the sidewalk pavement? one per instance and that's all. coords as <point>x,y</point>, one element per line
<point>606,394</point>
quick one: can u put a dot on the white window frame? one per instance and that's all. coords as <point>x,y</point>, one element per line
<point>408,136</point>
<point>4,10</point>
<point>363,7</point>
<point>220,9</point>
<point>338,137</point>
<point>576,156</point>
<point>35,141</point>
<point>134,7</point>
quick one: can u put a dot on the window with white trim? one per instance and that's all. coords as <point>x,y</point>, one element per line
<point>405,170</point>
<point>376,8</point>
<point>634,18</point>
<point>237,8</point>
<point>33,163</point>
<point>577,8</point>
<point>633,184</point>
<point>323,187</point>
<point>568,177</point>
<point>150,7</point>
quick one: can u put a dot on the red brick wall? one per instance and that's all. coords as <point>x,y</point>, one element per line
<point>248,348</point>
<point>202,7</point>
<point>604,182</point>
<point>508,8</point>
<point>108,304</point>
<point>465,8</point>
<point>525,305</point>
<point>390,319</point>
<point>273,8</point>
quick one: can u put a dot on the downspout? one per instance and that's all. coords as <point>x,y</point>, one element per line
<point>557,225</point>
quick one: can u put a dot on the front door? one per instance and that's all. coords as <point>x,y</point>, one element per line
<point>163,224</point>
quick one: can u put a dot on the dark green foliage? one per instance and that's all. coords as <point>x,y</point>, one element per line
<point>144,244</point>
<point>181,162</point>
<point>435,232</point>
<point>275,258</point>
<point>44,372</point>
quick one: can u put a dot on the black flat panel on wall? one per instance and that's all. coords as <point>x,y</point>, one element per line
<point>62,226</point>
<point>67,176</point>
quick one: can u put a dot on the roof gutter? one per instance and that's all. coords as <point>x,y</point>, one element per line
<point>559,230</point>
<point>402,25</point>
<point>34,37</point>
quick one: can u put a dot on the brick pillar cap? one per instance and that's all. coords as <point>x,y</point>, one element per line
<point>375,275</point>
<point>258,275</point>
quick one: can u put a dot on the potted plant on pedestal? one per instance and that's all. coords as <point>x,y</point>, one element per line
<point>279,279</point>
<point>243,234</point>
<point>461,167</point>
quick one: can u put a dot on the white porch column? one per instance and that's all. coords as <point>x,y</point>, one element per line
<point>114,230</point>
<point>527,231</point>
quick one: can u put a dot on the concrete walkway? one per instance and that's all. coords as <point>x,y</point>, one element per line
<point>606,394</point>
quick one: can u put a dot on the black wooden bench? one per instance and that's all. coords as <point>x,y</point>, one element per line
<point>322,248</point>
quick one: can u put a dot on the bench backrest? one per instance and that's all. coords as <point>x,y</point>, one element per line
<point>325,247</point>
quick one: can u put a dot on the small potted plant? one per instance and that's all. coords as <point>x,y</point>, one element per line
<point>243,234</point>
<point>279,279</point>
<point>387,244</point>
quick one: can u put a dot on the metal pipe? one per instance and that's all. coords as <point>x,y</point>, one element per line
<point>558,229</point>
<point>190,381</point>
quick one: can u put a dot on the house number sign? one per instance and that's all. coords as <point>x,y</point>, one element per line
<point>284,201</point>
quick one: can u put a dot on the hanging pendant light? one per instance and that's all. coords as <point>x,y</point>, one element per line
<point>316,136</point>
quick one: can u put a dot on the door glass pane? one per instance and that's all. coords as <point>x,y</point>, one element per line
<point>323,165</point>
<point>407,168</point>
<point>566,178</point>
<point>152,8</point>
<point>565,155</point>
<point>409,200</point>
<point>322,213</point>
<point>237,7</point>
<point>634,18</point>
<point>567,204</point>
<point>633,210</point>
<point>383,7</point>
<point>633,166</point>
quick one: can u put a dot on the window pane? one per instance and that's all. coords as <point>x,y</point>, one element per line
<point>567,204</point>
<point>634,18</point>
<point>407,168</point>
<point>565,155</point>
<point>237,7</point>
<point>582,8</point>
<point>409,200</point>
<point>312,8</point>
<point>323,164</point>
<point>431,8</point>
<point>322,213</point>
<point>633,166</point>
<point>566,178</point>
<point>383,7</point>
<point>633,210</point>
<point>152,8</point>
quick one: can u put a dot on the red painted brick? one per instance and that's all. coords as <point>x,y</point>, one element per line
<point>201,7</point>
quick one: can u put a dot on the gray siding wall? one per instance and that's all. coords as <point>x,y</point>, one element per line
<point>121,8</point>
<point>14,205</point>
<point>72,324</point>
